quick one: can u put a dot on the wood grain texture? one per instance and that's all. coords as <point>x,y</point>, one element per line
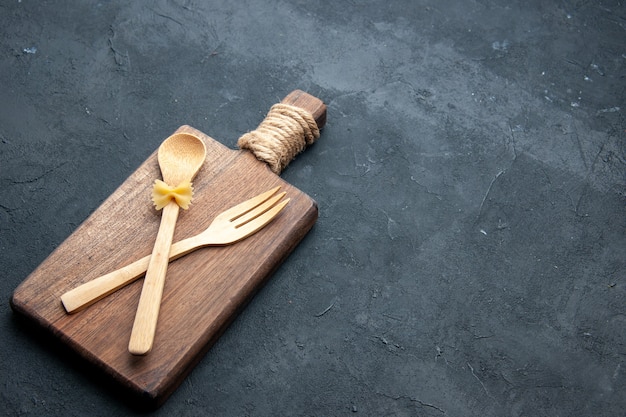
<point>204,290</point>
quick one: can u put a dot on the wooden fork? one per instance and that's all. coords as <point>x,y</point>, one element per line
<point>230,226</point>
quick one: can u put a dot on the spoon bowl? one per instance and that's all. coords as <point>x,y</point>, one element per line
<point>180,158</point>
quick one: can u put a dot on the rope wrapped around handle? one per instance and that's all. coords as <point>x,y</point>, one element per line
<point>285,132</point>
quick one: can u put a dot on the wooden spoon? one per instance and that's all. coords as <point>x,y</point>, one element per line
<point>180,157</point>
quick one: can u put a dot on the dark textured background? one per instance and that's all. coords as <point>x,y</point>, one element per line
<point>470,255</point>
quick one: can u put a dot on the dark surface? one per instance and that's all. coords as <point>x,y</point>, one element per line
<point>470,255</point>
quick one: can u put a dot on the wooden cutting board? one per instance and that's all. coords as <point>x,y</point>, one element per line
<point>204,290</point>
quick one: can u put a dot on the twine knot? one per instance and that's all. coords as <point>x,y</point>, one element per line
<point>285,132</point>
<point>162,194</point>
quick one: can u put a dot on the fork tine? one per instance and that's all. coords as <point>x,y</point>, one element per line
<point>242,208</point>
<point>253,225</point>
<point>258,210</point>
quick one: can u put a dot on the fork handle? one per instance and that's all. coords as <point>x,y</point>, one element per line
<point>144,327</point>
<point>88,293</point>
<point>96,289</point>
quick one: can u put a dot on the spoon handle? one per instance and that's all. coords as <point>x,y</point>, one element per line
<point>144,327</point>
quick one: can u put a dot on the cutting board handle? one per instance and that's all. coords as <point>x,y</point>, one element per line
<point>289,127</point>
<point>312,104</point>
